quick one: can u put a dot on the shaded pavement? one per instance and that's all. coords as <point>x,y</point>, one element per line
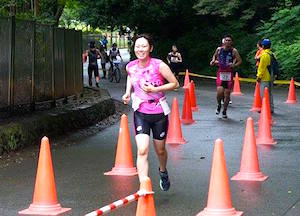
<point>82,186</point>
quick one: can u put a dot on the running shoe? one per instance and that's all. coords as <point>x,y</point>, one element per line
<point>164,181</point>
<point>230,102</point>
<point>218,110</point>
<point>224,114</point>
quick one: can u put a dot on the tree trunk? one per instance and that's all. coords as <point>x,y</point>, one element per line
<point>32,6</point>
<point>26,7</point>
<point>58,14</point>
<point>37,9</point>
<point>12,9</point>
<point>111,34</point>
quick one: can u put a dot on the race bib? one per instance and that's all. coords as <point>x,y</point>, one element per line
<point>174,59</point>
<point>225,76</point>
<point>136,102</point>
<point>164,104</point>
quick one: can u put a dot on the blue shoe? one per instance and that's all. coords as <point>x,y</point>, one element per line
<point>164,181</point>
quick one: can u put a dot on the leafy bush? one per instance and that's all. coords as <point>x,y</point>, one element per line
<point>284,31</point>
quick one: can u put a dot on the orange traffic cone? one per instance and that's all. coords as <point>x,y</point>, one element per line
<point>292,93</point>
<point>187,115</point>
<point>219,198</point>
<point>124,161</point>
<point>174,132</point>
<point>186,79</point>
<point>257,99</point>
<point>264,135</point>
<point>193,96</point>
<point>249,169</point>
<point>44,197</point>
<point>236,86</point>
<point>146,205</point>
<point>267,96</point>
<point>256,86</point>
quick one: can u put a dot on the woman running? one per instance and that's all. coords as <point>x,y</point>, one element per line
<point>174,60</point>
<point>146,77</point>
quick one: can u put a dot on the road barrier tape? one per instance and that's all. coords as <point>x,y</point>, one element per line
<point>251,80</point>
<point>119,203</point>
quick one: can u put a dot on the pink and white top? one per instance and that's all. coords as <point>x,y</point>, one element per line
<point>140,76</point>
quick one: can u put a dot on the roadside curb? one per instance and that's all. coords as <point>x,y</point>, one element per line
<point>29,130</point>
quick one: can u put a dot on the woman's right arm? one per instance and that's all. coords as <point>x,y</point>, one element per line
<point>126,96</point>
<point>168,58</point>
<point>214,60</point>
<point>128,85</point>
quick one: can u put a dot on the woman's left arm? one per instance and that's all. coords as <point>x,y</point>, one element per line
<point>179,58</point>
<point>237,57</point>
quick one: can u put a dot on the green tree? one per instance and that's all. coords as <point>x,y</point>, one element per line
<point>104,13</point>
<point>197,26</point>
<point>46,11</point>
<point>70,13</point>
<point>284,31</point>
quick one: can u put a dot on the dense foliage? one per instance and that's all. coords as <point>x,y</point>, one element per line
<point>196,26</point>
<point>44,11</point>
<point>284,30</point>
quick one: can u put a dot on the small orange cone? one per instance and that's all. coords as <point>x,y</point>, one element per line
<point>257,99</point>
<point>186,79</point>
<point>146,205</point>
<point>236,86</point>
<point>292,93</point>
<point>174,132</point>
<point>249,169</point>
<point>219,198</point>
<point>44,197</point>
<point>264,135</point>
<point>267,96</point>
<point>193,96</point>
<point>187,115</point>
<point>124,160</point>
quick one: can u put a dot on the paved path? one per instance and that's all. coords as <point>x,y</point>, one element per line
<point>79,168</point>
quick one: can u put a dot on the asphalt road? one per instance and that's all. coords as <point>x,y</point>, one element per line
<point>82,186</point>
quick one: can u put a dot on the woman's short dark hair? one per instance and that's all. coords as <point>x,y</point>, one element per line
<point>259,43</point>
<point>228,36</point>
<point>148,37</point>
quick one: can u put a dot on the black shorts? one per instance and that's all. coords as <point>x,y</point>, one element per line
<point>93,68</point>
<point>224,84</point>
<point>175,68</point>
<point>157,123</point>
